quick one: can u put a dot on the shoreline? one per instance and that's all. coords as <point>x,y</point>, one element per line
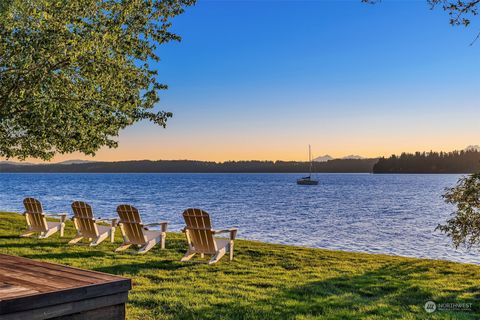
<point>69,224</point>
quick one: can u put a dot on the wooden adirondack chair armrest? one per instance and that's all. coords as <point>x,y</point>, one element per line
<point>55,214</point>
<point>63,216</point>
<point>162,224</point>
<point>232,231</point>
<point>111,221</point>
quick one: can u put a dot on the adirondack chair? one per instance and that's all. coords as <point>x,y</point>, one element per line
<point>37,220</point>
<point>88,227</point>
<point>134,232</point>
<point>200,237</point>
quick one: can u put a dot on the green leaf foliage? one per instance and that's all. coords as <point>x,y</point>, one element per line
<point>464,226</point>
<point>74,73</point>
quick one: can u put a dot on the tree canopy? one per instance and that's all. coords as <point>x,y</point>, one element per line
<point>73,73</point>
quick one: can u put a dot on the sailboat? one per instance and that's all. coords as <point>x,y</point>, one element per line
<point>308,181</point>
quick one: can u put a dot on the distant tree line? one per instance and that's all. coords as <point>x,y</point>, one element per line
<point>465,161</point>
<point>187,166</point>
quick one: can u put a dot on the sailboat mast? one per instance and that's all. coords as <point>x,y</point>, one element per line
<point>310,158</point>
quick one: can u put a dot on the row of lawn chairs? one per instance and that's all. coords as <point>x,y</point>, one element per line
<point>198,229</point>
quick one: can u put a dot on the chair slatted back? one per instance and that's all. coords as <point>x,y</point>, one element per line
<point>200,230</point>
<point>132,224</point>
<point>35,215</point>
<point>84,219</point>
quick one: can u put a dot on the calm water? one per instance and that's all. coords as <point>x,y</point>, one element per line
<point>394,214</point>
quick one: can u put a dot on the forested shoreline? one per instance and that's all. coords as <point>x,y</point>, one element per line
<point>191,166</point>
<point>464,161</point>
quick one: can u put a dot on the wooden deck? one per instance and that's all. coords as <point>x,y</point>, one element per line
<point>31,290</point>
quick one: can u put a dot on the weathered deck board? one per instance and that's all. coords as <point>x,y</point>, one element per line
<point>37,290</point>
<point>8,290</point>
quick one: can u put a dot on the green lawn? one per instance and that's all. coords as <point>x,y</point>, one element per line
<point>264,281</point>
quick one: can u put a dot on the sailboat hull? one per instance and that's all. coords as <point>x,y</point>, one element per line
<point>307,182</point>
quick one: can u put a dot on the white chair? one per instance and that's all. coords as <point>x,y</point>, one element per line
<point>37,220</point>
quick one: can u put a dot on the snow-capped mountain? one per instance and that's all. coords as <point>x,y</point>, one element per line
<point>473,148</point>
<point>324,158</point>
<point>353,156</point>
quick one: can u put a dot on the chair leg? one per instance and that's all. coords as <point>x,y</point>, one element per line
<point>189,255</point>
<point>48,233</point>
<point>27,234</point>
<point>231,250</point>
<point>99,239</point>
<point>220,253</point>
<point>123,247</point>
<point>112,235</point>
<point>75,240</point>
<point>62,229</point>
<point>162,240</point>
<point>122,231</point>
<point>149,245</point>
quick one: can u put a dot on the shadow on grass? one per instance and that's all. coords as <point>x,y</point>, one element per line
<point>10,237</point>
<point>135,268</point>
<point>390,292</point>
<point>38,244</point>
<point>67,255</point>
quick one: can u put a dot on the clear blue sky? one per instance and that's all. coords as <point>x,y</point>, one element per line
<point>262,79</point>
